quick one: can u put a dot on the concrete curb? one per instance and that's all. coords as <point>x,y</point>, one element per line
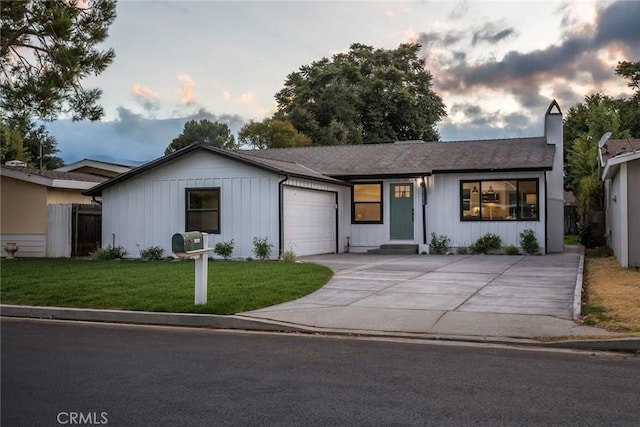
<point>234,322</point>
<point>145,318</point>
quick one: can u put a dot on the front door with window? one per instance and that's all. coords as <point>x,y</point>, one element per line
<point>401,211</point>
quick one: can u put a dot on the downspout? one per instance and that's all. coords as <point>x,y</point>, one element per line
<point>424,211</point>
<point>280,214</point>
<point>546,216</point>
<point>96,201</point>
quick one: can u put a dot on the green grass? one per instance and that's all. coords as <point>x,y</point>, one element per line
<point>571,239</point>
<point>233,286</point>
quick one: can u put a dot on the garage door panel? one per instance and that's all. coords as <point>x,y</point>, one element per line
<point>309,221</point>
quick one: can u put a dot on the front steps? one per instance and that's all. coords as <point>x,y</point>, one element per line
<point>395,250</point>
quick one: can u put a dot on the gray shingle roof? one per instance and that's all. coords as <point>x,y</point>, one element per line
<point>414,159</point>
<point>615,147</point>
<point>335,163</point>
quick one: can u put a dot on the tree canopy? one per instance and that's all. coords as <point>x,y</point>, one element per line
<point>203,132</point>
<point>271,133</point>
<point>47,48</point>
<point>366,95</point>
<point>584,125</point>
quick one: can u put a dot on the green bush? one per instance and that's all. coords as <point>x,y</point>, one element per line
<point>224,249</point>
<point>485,243</point>
<point>462,250</point>
<point>512,250</point>
<point>439,245</point>
<point>583,233</point>
<point>110,252</point>
<point>152,253</point>
<point>262,248</point>
<point>529,242</point>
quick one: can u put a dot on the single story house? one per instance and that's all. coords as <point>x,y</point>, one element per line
<point>26,196</point>
<point>333,199</point>
<point>620,161</point>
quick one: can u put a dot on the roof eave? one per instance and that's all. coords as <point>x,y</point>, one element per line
<point>489,170</point>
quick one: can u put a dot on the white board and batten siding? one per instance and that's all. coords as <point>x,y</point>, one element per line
<point>443,211</point>
<point>148,209</point>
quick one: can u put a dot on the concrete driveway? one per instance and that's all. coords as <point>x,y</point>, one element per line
<point>489,295</point>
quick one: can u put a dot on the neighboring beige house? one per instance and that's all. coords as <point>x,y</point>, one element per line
<point>25,195</point>
<point>620,160</point>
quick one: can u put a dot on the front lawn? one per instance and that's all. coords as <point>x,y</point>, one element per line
<point>233,286</point>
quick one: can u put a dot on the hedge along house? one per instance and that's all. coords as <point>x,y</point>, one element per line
<point>328,199</point>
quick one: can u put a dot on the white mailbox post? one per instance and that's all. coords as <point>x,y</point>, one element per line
<point>202,257</point>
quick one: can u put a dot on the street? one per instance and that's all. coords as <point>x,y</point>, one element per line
<point>65,373</point>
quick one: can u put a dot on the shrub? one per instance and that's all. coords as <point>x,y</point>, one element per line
<point>439,244</point>
<point>289,256</point>
<point>485,243</point>
<point>224,249</point>
<point>512,250</point>
<point>153,253</point>
<point>110,252</point>
<point>529,242</point>
<point>462,250</point>
<point>262,248</point>
<point>583,233</point>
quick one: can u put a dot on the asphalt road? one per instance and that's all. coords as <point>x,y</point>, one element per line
<point>57,373</point>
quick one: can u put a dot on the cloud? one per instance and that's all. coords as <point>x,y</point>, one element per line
<point>145,97</point>
<point>491,33</point>
<point>246,98</point>
<point>557,71</point>
<point>460,10</point>
<point>186,91</point>
<point>131,138</point>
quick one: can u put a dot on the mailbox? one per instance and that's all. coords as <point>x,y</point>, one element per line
<point>186,242</point>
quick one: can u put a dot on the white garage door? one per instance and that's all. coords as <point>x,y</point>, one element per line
<point>309,221</point>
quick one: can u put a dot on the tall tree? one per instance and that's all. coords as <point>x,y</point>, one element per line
<point>365,95</point>
<point>11,144</point>
<point>598,115</point>
<point>203,132</point>
<point>271,133</point>
<point>629,109</point>
<point>47,48</point>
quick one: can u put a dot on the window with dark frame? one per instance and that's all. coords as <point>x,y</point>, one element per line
<point>202,210</point>
<point>499,200</point>
<point>367,203</point>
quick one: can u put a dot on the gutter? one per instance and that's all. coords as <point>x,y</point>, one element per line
<point>280,214</point>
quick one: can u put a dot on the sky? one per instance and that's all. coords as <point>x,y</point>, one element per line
<point>497,65</point>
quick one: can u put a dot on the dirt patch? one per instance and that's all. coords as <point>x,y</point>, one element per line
<point>611,295</point>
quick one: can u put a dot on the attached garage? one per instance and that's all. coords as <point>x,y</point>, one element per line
<point>309,221</point>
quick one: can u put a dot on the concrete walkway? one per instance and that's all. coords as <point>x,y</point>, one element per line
<point>452,295</point>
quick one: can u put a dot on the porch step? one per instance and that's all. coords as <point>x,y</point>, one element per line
<point>395,250</point>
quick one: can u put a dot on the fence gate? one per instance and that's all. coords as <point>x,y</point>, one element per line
<point>86,226</point>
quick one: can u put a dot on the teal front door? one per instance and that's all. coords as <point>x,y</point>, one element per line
<point>401,211</point>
